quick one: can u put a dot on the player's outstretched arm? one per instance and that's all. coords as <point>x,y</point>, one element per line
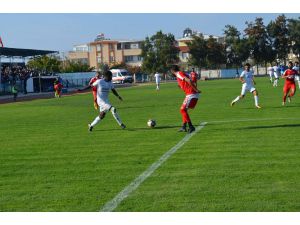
<point>116,94</point>
<point>192,84</point>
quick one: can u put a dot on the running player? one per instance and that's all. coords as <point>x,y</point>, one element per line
<point>103,87</point>
<point>248,83</point>
<point>94,89</point>
<point>271,73</point>
<point>191,97</point>
<point>297,78</point>
<point>157,80</point>
<point>277,74</point>
<point>194,77</point>
<point>289,87</point>
<point>57,88</point>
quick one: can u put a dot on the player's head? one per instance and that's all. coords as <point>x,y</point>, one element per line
<point>107,75</point>
<point>98,74</point>
<point>174,69</point>
<point>290,65</point>
<point>296,63</point>
<point>247,66</point>
<point>193,69</point>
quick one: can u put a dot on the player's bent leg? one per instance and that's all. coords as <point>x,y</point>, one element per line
<point>113,111</point>
<point>185,118</point>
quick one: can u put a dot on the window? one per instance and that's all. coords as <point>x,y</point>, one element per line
<point>128,58</point>
<point>127,46</point>
<point>99,48</point>
<point>111,47</point>
<point>112,59</point>
<point>119,46</point>
<point>99,60</point>
<point>140,58</point>
<point>134,46</point>
<point>185,55</point>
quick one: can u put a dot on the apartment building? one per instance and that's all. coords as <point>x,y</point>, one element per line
<point>108,51</point>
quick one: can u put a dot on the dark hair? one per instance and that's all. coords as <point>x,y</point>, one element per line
<point>247,64</point>
<point>175,68</point>
<point>108,73</point>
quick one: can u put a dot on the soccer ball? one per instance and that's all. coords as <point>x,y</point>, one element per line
<point>151,123</point>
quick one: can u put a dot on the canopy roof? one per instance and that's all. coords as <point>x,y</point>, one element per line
<point>13,52</point>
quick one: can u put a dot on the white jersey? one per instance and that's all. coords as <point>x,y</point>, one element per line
<point>271,71</point>
<point>103,88</point>
<point>296,68</point>
<point>277,72</point>
<point>157,77</point>
<point>248,77</point>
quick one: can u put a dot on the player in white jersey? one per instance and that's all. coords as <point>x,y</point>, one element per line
<point>277,74</point>
<point>248,83</point>
<point>103,87</point>
<point>157,80</point>
<point>271,73</point>
<point>297,77</point>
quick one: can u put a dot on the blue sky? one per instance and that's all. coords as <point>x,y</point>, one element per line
<point>61,31</point>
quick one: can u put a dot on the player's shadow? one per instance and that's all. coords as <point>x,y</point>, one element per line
<point>138,128</point>
<point>270,127</point>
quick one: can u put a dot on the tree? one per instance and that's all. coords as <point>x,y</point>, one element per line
<point>198,51</point>
<point>259,42</point>
<point>278,32</point>
<point>75,67</point>
<point>46,64</point>
<point>215,53</point>
<point>159,52</point>
<point>294,36</point>
<point>237,49</point>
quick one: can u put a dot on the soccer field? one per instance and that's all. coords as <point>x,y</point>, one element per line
<point>243,159</point>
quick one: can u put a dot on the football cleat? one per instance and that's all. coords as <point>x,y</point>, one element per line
<point>258,107</point>
<point>191,129</point>
<point>232,103</point>
<point>283,103</point>
<point>123,126</point>
<point>90,127</point>
<point>289,99</point>
<point>96,106</point>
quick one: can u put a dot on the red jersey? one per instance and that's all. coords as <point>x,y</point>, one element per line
<point>186,87</point>
<point>193,77</point>
<point>290,76</point>
<point>58,87</point>
<point>92,81</point>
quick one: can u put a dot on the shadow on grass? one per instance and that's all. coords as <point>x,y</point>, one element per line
<point>137,128</point>
<point>269,127</point>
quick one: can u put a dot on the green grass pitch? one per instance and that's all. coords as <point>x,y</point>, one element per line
<point>244,159</point>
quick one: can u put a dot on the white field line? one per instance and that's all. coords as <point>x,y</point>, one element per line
<point>112,204</point>
<point>249,120</point>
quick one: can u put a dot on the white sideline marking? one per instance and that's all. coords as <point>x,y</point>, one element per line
<point>249,120</point>
<point>112,204</point>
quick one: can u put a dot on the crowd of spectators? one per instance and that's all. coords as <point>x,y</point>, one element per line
<point>12,73</point>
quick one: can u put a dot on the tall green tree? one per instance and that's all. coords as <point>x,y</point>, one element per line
<point>45,63</point>
<point>259,42</point>
<point>278,32</point>
<point>215,53</point>
<point>294,36</point>
<point>237,48</point>
<point>198,51</point>
<point>159,52</point>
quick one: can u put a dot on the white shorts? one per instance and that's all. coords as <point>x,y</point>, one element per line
<point>104,106</point>
<point>248,87</point>
<point>297,78</point>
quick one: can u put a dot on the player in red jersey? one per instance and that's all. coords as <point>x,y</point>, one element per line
<point>289,88</point>
<point>57,88</point>
<point>194,76</point>
<point>191,97</point>
<point>94,89</point>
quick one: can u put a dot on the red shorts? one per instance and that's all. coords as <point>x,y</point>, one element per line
<point>189,103</point>
<point>289,86</point>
